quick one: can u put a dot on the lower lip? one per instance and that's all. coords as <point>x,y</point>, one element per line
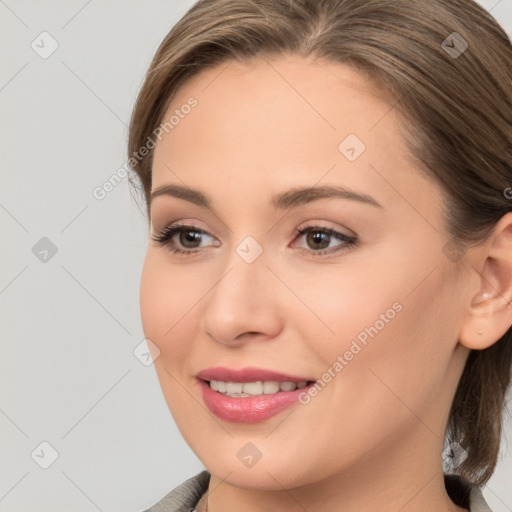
<point>248,409</point>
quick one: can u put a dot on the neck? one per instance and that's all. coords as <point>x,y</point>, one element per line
<point>409,481</point>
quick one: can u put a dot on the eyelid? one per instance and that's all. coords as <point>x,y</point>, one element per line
<point>326,225</point>
<point>179,223</point>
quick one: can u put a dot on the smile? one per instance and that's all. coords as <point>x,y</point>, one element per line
<point>250,395</point>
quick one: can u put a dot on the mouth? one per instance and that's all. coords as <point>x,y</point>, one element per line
<point>250,395</point>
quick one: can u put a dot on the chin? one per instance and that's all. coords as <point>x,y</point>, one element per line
<point>264,478</point>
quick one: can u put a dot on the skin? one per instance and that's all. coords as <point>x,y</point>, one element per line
<point>372,438</point>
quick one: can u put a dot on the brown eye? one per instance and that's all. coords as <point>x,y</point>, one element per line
<point>187,238</point>
<point>184,239</point>
<point>318,239</point>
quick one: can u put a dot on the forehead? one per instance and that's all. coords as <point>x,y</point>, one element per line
<point>275,105</point>
<point>288,88</point>
<point>272,124</point>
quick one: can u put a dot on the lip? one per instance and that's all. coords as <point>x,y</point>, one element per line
<point>248,409</point>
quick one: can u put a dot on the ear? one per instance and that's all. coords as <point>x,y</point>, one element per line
<point>490,313</point>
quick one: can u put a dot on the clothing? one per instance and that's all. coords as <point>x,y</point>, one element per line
<point>185,497</point>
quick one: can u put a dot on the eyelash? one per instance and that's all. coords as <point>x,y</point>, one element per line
<point>164,238</point>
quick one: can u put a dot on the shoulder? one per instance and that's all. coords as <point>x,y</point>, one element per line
<point>185,496</point>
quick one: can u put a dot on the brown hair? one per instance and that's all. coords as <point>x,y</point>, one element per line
<point>456,111</point>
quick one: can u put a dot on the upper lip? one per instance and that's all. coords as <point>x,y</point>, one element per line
<point>247,374</point>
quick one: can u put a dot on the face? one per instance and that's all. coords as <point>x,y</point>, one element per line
<point>345,291</point>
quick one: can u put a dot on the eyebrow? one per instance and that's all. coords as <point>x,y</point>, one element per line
<point>287,200</point>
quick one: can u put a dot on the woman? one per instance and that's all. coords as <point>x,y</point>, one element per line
<point>327,288</point>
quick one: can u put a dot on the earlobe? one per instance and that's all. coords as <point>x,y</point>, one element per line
<point>489,315</point>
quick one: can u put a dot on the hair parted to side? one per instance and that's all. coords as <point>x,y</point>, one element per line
<point>456,116</point>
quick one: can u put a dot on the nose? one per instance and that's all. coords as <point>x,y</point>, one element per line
<point>242,304</point>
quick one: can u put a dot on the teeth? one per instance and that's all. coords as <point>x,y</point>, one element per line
<point>253,388</point>
<point>234,387</point>
<point>270,387</point>
<point>244,389</point>
<point>287,386</point>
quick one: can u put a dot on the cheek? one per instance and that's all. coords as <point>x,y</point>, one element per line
<point>404,346</point>
<point>385,340</point>
<point>344,307</point>
<point>167,300</point>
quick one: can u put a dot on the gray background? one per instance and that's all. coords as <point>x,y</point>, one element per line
<point>71,321</point>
